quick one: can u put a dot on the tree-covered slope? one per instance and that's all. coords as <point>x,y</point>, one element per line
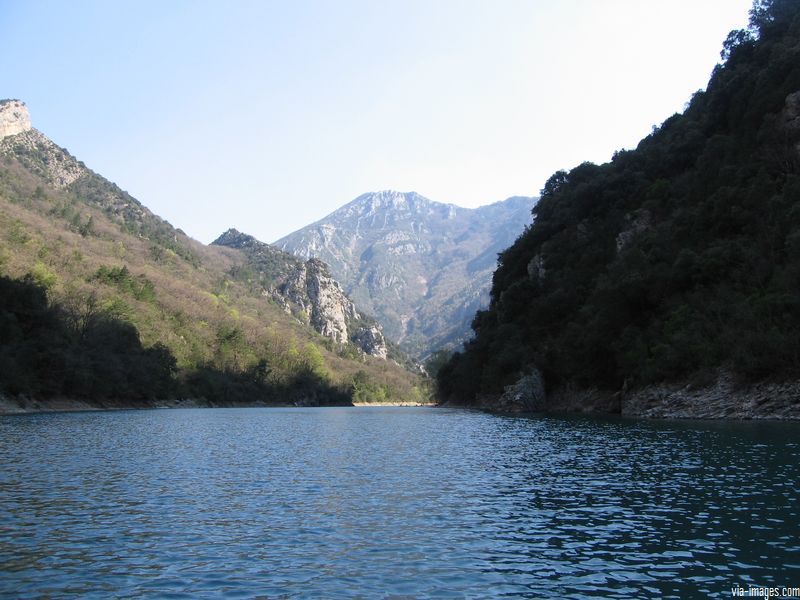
<point>673,261</point>
<point>102,300</point>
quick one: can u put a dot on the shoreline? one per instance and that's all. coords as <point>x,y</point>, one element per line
<point>395,404</point>
<point>27,406</point>
<point>720,400</point>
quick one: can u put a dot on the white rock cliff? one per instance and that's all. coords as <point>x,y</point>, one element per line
<point>14,118</point>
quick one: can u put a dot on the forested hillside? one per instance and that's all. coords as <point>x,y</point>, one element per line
<point>103,301</point>
<point>675,261</point>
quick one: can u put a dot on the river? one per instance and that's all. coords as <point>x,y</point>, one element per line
<point>393,503</point>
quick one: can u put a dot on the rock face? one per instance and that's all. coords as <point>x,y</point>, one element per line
<point>312,288</point>
<point>35,150</point>
<point>791,118</point>
<point>371,340</point>
<point>307,290</point>
<point>791,111</point>
<point>421,267</point>
<point>719,399</point>
<point>636,224</point>
<point>527,394</point>
<point>14,118</point>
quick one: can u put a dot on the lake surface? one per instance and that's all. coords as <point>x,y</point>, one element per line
<point>392,503</point>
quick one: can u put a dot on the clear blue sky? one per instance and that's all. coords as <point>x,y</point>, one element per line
<point>267,115</point>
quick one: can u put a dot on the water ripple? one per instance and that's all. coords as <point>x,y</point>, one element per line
<point>392,503</point>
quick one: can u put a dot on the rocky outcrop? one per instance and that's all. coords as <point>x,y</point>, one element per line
<point>721,400</point>
<point>527,394</point>
<point>370,339</point>
<point>321,297</point>
<point>790,120</point>
<point>14,118</point>
<point>791,112</point>
<point>536,268</point>
<point>636,223</point>
<point>274,265</point>
<point>307,290</point>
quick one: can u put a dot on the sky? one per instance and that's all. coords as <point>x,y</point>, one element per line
<point>268,115</point>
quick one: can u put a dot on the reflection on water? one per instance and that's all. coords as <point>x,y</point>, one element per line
<point>392,502</point>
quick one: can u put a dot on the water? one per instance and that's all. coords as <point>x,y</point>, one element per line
<point>392,503</point>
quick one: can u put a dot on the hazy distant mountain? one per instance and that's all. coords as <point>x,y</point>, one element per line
<point>422,268</point>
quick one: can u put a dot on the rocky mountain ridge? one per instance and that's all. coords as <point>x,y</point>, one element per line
<point>306,290</point>
<point>59,169</point>
<point>421,267</point>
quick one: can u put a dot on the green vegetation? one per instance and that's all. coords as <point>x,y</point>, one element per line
<point>52,350</point>
<point>139,287</point>
<point>104,301</point>
<point>365,390</point>
<point>673,260</point>
<point>78,350</point>
<point>131,216</point>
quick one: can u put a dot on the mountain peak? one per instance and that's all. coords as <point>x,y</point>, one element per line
<point>391,204</point>
<point>14,117</point>
<point>233,238</point>
<point>389,199</point>
<point>422,267</point>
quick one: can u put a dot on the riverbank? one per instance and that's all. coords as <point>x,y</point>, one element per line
<point>721,399</point>
<point>395,404</point>
<point>24,405</point>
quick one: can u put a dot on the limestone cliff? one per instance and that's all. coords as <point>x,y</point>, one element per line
<point>311,287</point>
<point>307,290</point>
<point>14,118</point>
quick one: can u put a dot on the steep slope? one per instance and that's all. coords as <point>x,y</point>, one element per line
<point>672,268</point>
<point>420,267</point>
<point>307,291</point>
<point>112,270</point>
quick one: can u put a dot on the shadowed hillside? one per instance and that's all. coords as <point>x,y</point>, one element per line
<point>678,261</point>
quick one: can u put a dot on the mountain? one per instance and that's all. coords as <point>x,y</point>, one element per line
<point>663,283</point>
<point>421,268</point>
<point>307,291</point>
<point>103,303</point>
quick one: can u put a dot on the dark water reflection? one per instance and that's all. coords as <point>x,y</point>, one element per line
<point>394,503</point>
